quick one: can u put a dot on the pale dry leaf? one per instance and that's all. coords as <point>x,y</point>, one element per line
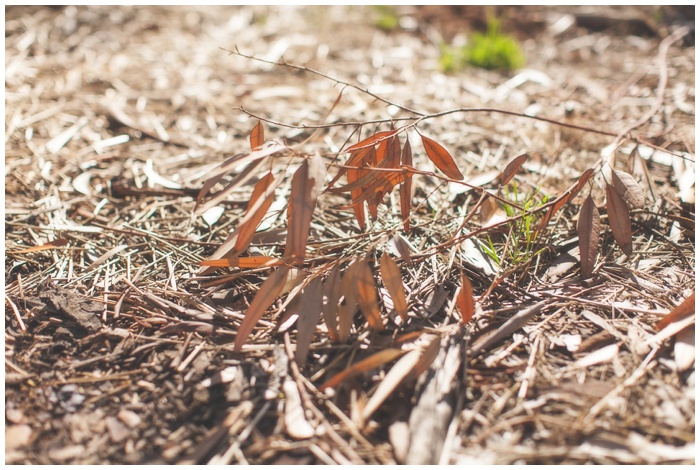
<point>628,188</point>
<point>309,314</point>
<point>588,229</point>
<point>684,348</point>
<point>294,420</point>
<point>391,275</point>
<point>306,185</point>
<point>604,354</point>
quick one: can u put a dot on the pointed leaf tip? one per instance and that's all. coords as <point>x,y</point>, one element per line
<point>441,158</point>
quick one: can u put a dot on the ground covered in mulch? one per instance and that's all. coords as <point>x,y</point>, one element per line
<point>119,349</point>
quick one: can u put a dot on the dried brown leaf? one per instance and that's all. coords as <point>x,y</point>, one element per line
<point>348,306</point>
<point>306,185</point>
<point>331,291</point>
<point>588,229</point>
<point>619,219</point>
<point>405,187</point>
<point>366,294</point>
<point>371,141</point>
<point>409,366</point>
<point>629,189</point>
<point>391,276</point>
<point>310,308</point>
<point>46,246</point>
<point>246,229</point>
<point>257,136</point>
<point>248,262</point>
<point>372,362</point>
<point>512,168</point>
<point>268,292</point>
<point>465,299</point>
<point>441,158</point>
<point>687,307</point>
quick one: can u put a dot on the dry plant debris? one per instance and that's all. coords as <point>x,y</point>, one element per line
<point>279,235</point>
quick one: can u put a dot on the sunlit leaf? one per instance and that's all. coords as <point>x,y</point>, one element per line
<point>257,136</point>
<point>370,363</point>
<point>687,307</point>
<point>441,158</point>
<point>465,299</point>
<point>371,141</point>
<point>366,294</point>
<point>247,228</point>
<point>391,276</point>
<point>629,189</point>
<point>268,292</point>
<point>512,168</point>
<point>588,229</point>
<point>306,185</point>
<point>619,219</point>
<point>247,262</point>
<point>46,246</point>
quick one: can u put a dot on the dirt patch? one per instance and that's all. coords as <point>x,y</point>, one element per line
<point>119,349</point>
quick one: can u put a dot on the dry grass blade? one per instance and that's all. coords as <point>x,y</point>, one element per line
<point>309,314</point>
<point>411,365</point>
<point>619,219</point>
<point>687,307</point>
<point>366,294</point>
<point>268,292</point>
<point>405,187</point>
<point>391,275</point>
<point>465,299</point>
<point>588,229</point>
<point>441,158</point>
<point>629,189</point>
<point>306,185</point>
<point>372,362</point>
<point>257,136</point>
<point>331,290</point>
<point>512,168</point>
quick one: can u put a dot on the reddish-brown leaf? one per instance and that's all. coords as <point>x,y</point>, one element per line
<point>366,294</point>
<point>46,246</point>
<point>391,275</point>
<point>257,136</point>
<point>512,168</point>
<point>441,158</point>
<point>687,307</point>
<point>405,188</point>
<point>588,229</point>
<point>628,188</point>
<point>246,229</point>
<point>576,188</point>
<point>371,141</point>
<point>247,262</point>
<point>306,184</point>
<point>372,362</point>
<point>309,313</point>
<point>268,292</point>
<point>332,293</point>
<point>465,299</point>
<point>619,219</point>
<point>357,159</point>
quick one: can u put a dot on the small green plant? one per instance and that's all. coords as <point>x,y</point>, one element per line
<point>492,51</point>
<point>388,18</point>
<point>520,246</point>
